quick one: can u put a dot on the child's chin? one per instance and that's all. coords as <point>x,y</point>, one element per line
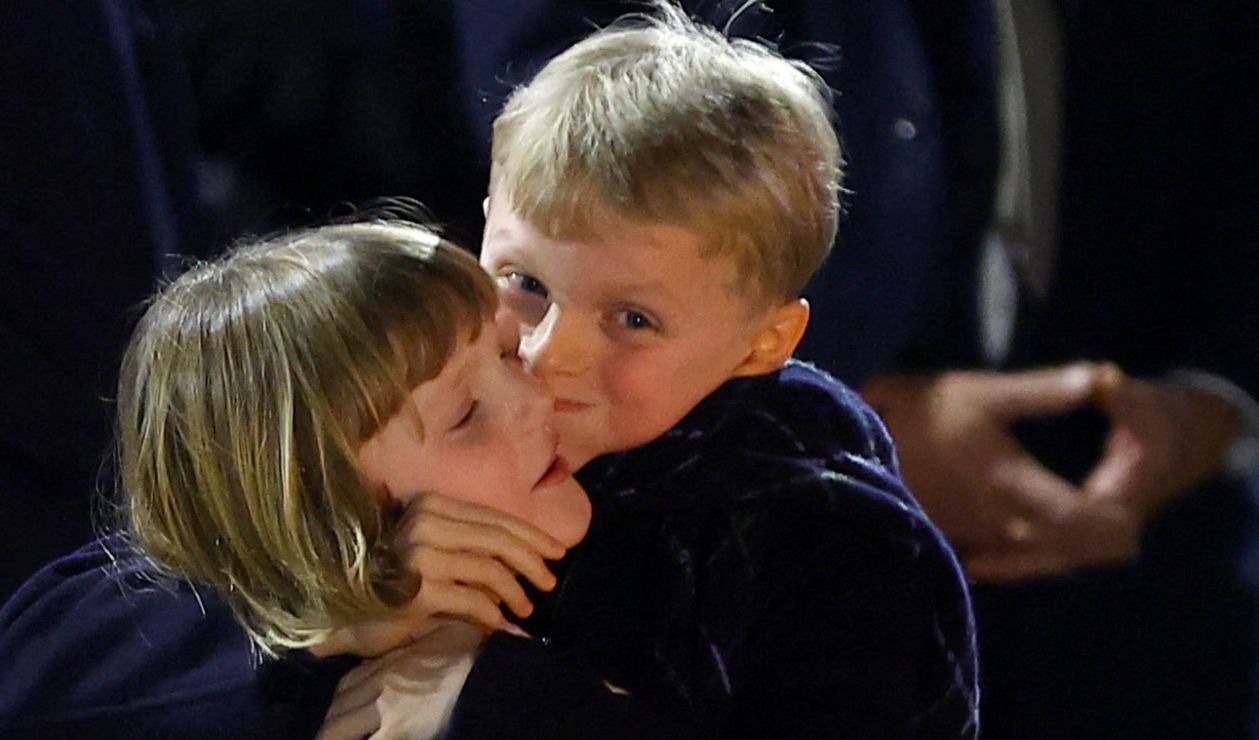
<point>571,520</point>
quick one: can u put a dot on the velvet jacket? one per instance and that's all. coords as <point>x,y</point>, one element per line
<point>760,569</point>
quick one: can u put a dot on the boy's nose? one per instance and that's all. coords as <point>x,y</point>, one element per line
<point>555,346</point>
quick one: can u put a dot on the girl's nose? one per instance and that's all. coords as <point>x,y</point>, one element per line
<point>535,407</point>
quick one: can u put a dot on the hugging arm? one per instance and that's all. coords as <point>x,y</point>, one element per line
<point>408,692</point>
<point>518,688</point>
<point>523,689</point>
<point>877,643</point>
<point>466,558</point>
<point>865,635</point>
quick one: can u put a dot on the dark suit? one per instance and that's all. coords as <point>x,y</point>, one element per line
<point>93,189</point>
<point>1156,270</point>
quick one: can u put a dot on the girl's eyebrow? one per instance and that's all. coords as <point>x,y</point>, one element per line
<point>452,395</point>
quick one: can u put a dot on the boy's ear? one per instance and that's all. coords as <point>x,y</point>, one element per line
<point>773,344</point>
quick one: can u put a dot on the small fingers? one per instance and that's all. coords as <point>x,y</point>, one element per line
<point>364,674</point>
<point>466,511</point>
<point>358,724</point>
<point>363,682</point>
<point>1110,388</point>
<point>353,712</point>
<point>480,571</point>
<point>465,603</point>
<point>1096,535</point>
<point>486,540</point>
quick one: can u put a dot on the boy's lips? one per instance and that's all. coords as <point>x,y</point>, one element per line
<point>568,406</point>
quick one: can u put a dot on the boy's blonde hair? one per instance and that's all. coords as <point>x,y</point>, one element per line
<point>660,119</point>
<point>245,393</point>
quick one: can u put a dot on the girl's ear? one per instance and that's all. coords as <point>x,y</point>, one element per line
<point>772,346</point>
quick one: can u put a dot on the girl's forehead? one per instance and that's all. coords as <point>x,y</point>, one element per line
<point>461,367</point>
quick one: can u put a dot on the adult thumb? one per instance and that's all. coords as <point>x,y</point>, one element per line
<point>1045,392</point>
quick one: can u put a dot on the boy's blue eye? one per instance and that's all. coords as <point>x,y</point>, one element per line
<point>525,295</point>
<point>636,320</point>
<point>528,283</point>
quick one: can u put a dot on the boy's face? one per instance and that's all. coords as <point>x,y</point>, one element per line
<point>489,438</point>
<point>629,333</point>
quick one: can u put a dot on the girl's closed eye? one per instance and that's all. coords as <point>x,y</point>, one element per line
<point>467,416</point>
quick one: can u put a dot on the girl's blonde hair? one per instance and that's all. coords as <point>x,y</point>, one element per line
<point>658,118</point>
<point>244,396</point>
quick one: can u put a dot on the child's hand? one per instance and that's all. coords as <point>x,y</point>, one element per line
<point>407,693</point>
<point>467,557</point>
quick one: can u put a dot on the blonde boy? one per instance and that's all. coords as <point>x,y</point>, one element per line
<point>686,181</point>
<point>660,195</point>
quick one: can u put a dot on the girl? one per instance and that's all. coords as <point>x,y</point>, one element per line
<point>278,411</point>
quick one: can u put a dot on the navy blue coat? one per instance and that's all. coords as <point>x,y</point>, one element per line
<point>95,185</point>
<point>96,645</point>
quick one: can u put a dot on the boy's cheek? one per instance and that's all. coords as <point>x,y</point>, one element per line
<point>578,446</point>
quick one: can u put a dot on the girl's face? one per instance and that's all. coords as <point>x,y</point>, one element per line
<point>489,438</point>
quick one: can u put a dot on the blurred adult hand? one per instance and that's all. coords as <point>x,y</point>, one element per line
<point>1165,439</point>
<point>1009,517</point>
<point>960,458</point>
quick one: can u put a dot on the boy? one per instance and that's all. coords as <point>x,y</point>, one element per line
<point>659,197</point>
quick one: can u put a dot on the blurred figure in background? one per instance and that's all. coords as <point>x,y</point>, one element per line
<point>139,130</point>
<point>1059,185</point>
<point>95,193</point>
<point>309,107</point>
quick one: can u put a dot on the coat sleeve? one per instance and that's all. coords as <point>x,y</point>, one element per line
<point>876,642</point>
<point>845,633</point>
<point>521,688</point>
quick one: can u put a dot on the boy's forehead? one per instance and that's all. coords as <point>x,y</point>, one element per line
<point>612,254</point>
<point>598,229</point>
